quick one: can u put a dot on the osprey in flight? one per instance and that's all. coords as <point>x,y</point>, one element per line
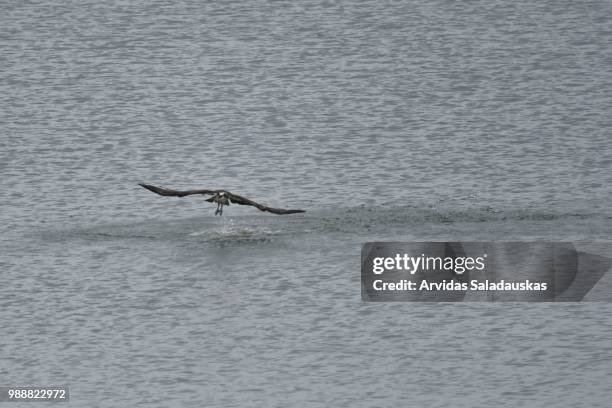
<point>221,197</point>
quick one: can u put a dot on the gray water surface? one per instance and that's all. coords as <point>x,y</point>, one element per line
<point>396,120</point>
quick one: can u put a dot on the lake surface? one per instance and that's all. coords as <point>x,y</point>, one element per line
<point>396,120</point>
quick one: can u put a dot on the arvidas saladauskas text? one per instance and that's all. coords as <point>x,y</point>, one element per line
<point>474,284</point>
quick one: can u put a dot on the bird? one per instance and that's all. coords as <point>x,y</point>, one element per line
<point>220,197</point>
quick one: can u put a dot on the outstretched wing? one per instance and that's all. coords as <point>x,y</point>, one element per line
<point>174,193</point>
<point>236,199</point>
